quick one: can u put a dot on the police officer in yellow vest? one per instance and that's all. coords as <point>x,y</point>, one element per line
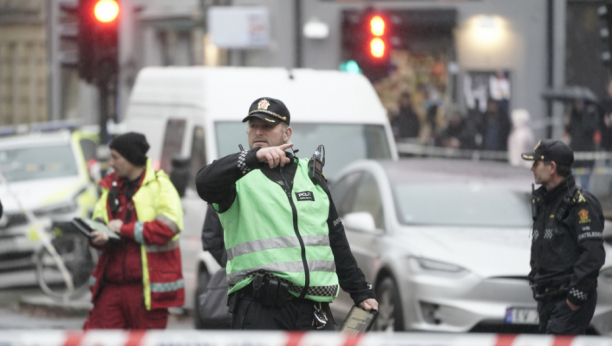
<point>286,248</point>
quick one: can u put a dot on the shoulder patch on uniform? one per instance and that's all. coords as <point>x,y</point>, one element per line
<point>584,216</point>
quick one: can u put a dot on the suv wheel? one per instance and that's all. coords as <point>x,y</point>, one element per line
<point>203,279</point>
<point>390,317</point>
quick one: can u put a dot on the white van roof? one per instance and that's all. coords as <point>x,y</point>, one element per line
<point>225,93</point>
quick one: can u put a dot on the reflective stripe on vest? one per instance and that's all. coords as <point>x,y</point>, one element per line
<point>161,287</point>
<point>275,243</point>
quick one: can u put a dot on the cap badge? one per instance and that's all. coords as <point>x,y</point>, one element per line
<point>263,104</point>
<point>537,145</point>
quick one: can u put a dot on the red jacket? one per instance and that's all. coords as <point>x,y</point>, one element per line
<point>149,234</point>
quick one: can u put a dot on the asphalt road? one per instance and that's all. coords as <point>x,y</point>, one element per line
<point>24,306</point>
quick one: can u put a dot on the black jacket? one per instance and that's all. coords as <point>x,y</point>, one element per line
<point>216,183</point>
<point>567,252</point>
<point>212,237</point>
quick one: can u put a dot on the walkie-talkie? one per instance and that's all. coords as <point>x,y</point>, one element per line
<point>315,165</point>
<point>534,204</point>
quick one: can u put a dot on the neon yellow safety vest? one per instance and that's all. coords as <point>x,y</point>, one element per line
<point>162,276</point>
<point>283,234</point>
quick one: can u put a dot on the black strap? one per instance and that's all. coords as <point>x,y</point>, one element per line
<point>567,203</point>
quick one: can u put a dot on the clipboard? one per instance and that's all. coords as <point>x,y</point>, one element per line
<point>358,320</point>
<point>87,226</point>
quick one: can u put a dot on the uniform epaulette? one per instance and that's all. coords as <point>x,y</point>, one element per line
<point>579,197</point>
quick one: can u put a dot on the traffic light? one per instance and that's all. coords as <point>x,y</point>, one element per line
<point>98,40</point>
<point>366,41</point>
<point>378,46</point>
<point>605,33</point>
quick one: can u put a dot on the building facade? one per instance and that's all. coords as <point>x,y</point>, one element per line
<point>23,65</point>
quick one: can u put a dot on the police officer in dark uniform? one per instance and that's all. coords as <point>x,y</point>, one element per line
<point>567,245</point>
<point>286,247</point>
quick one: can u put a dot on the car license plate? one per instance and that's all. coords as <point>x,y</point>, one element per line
<point>7,246</point>
<point>522,316</point>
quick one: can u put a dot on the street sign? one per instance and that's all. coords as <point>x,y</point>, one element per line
<point>239,27</point>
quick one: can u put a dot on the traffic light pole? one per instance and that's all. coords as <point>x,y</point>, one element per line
<point>108,96</point>
<point>103,91</point>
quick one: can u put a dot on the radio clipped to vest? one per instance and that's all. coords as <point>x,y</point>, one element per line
<point>535,210</point>
<point>315,165</point>
<point>567,203</point>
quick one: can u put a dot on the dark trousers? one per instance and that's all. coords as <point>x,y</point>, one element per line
<point>296,314</point>
<point>556,317</point>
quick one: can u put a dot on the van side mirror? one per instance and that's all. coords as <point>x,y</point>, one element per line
<point>360,221</point>
<point>179,176</point>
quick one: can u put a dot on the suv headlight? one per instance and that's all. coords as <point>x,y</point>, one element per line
<point>432,265</point>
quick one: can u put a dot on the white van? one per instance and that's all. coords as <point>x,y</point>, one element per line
<point>197,112</point>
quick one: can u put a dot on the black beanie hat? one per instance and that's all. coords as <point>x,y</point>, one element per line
<point>133,147</point>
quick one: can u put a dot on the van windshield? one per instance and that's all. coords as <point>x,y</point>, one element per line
<point>34,163</point>
<point>344,143</point>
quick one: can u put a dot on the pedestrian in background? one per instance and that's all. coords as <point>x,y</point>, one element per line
<point>583,123</point>
<point>459,133</point>
<point>138,277</point>
<point>495,127</point>
<point>286,247</point>
<point>606,123</point>
<point>406,123</point>
<point>567,245</point>
<point>212,237</point>
<point>521,138</point>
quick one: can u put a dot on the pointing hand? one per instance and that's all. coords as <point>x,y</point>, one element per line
<point>274,156</point>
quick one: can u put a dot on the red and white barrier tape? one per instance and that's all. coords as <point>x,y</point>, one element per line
<point>241,338</point>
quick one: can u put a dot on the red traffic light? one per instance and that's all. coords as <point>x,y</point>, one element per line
<point>377,47</point>
<point>377,26</point>
<point>106,10</point>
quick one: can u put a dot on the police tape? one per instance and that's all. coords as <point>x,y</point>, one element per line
<point>427,150</point>
<point>263,338</point>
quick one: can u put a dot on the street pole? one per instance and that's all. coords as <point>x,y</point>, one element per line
<point>298,33</point>
<point>103,91</point>
<point>550,60</point>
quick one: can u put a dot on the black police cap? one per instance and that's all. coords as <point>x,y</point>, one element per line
<point>549,150</point>
<point>270,110</point>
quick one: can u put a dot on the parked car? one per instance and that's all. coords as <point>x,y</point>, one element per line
<point>48,174</point>
<point>446,244</point>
